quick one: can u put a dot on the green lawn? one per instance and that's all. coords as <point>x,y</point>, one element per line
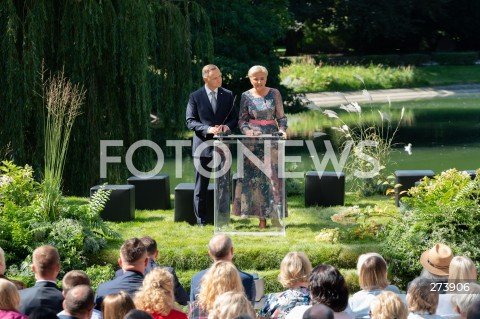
<point>185,247</point>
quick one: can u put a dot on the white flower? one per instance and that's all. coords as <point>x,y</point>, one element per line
<point>5,180</point>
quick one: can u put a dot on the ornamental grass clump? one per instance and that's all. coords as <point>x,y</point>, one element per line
<point>444,209</point>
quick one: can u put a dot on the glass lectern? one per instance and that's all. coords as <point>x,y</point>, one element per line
<point>256,191</point>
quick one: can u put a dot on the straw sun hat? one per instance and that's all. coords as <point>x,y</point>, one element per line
<point>437,259</point>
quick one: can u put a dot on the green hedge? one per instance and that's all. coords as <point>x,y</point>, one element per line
<point>455,58</point>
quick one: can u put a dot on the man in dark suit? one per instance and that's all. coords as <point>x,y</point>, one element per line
<point>181,295</point>
<point>210,111</point>
<point>133,260</point>
<point>45,293</point>
<point>79,303</point>
<point>220,247</point>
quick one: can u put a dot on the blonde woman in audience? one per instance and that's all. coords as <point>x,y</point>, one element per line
<point>372,276</point>
<point>116,306</point>
<point>9,301</point>
<point>3,268</point>
<point>388,305</point>
<point>462,271</point>
<point>220,278</point>
<point>157,296</point>
<point>462,301</point>
<point>295,271</point>
<point>422,299</point>
<point>230,305</point>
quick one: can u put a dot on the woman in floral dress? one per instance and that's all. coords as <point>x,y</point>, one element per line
<point>261,112</point>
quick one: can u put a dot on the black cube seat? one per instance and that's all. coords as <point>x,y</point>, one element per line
<point>184,203</point>
<point>406,179</point>
<point>234,185</point>
<point>152,192</point>
<point>324,188</point>
<point>120,206</point>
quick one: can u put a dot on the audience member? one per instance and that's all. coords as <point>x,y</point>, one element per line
<point>137,314</point>
<point>181,295</point>
<point>422,299</point>
<point>220,248</point>
<point>473,311</point>
<point>373,281</point>
<point>75,278</point>
<point>133,260</point>
<point>462,271</point>
<point>42,313</point>
<point>45,293</point>
<point>117,305</point>
<point>156,296</point>
<point>318,311</point>
<point>462,301</point>
<point>230,305</point>
<point>3,268</point>
<point>436,264</point>
<point>388,305</point>
<point>9,301</point>
<point>78,303</point>
<point>327,287</point>
<point>295,271</point>
<point>220,278</point>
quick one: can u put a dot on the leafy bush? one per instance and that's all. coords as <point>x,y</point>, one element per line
<point>415,59</point>
<point>455,58</point>
<point>444,209</point>
<point>100,274</point>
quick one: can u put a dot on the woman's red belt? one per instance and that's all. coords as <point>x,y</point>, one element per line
<point>262,122</point>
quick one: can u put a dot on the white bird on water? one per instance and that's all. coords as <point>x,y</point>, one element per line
<point>408,148</point>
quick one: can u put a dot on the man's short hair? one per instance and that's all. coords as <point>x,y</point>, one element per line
<point>45,259</point>
<point>150,244</point>
<point>220,246</point>
<point>132,250</point>
<point>207,68</point>
<point>74,278</point>
<point>79,300</point>
<point>318,311</point>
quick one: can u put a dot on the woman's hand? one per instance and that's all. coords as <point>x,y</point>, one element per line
<point>252,133</point>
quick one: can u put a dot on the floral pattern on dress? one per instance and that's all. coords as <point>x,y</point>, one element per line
<point>278,305</point>
<point>257,194</point>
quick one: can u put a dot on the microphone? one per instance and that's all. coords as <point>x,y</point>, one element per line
<point>226,117</point>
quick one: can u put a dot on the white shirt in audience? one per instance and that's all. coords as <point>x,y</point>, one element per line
<point>297,313</point>
<point>445,307</point>
<point>359,303</point>
<point>417,315</point>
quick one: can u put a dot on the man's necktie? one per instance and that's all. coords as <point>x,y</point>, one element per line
<point>214,102</point>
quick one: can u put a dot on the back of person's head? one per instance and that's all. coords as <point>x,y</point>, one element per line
<point>318,311</point>
<point>156,295</point>
<point>79,300</point>
<point>74,278</point>
<point>137,314</point>
<point>150,245</point>
<point>231,304</point>
<point>220,278</point>
<point>388,305</point>
<point>295,268</point>
<point>462,269</point>
<point>373,273</point>
<point>473,311</point>
<point>325,279</point>
<point>245,316</point>
<point>421,297</point>
<point>436,261</point>
<point>46,261</point>
<point>133,251</point>
<point>462,301</point>
<point>220,247</point>
<point>9,297</point>
<point>3,266</point>
<point>117,305</point>
<point>43,313</point>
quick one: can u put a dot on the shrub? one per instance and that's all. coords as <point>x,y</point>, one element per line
<point>443,209</point>
<point>99,274</point>
<point>415,59</point>
<point>455,58</point>
<point>384,59</point>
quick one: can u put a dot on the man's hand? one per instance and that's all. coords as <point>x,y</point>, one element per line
<point>213,130</point>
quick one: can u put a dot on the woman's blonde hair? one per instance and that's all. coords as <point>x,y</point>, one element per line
<point>116,306</point>
<point>256,69</point>
<point>462,270</point>
<point>388,305</point>
<point>295,268</point>
<point>230,305</point>
<point>156,295</point>
<point>373,273</point>
<point>2,262</point>
<point>221,277</point>
<point>421,297</point>
<point>9,297</point>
